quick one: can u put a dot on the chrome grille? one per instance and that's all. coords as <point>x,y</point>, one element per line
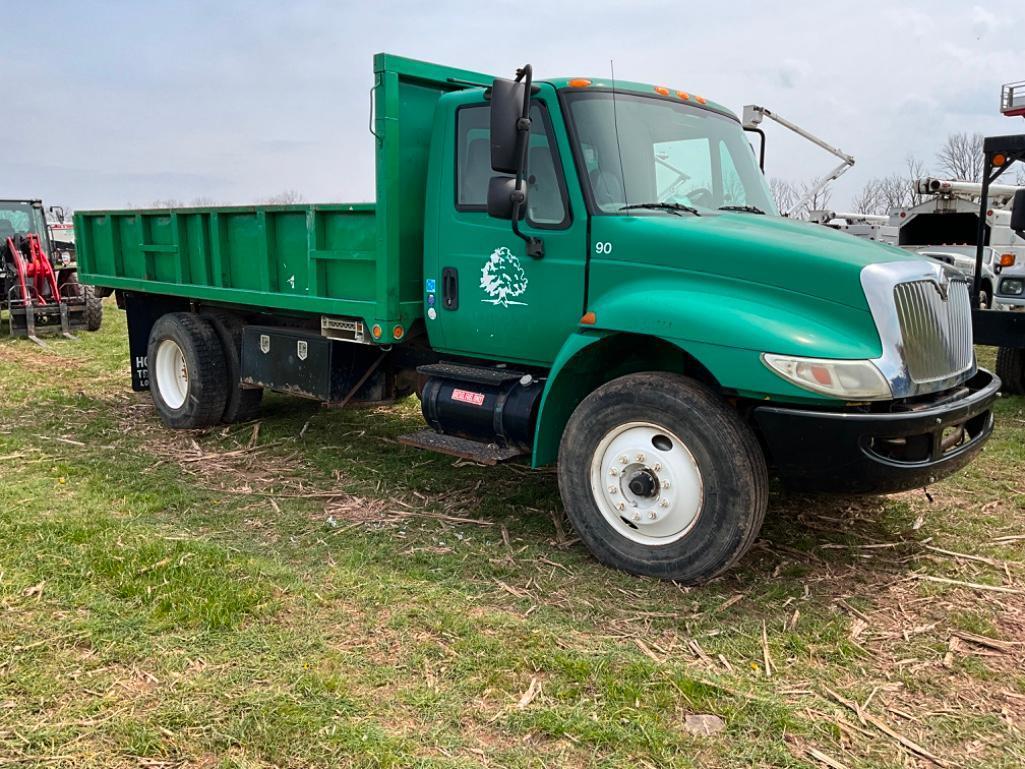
<point>936,331</point>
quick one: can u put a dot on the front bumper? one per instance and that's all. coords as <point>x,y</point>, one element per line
<point>878,453</point>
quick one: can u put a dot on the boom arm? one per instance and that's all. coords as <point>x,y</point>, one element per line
<point>753,115</point>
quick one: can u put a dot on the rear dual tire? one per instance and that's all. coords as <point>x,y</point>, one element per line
<point>661,478</point>
<point>187,371</point>
<point>195,370</point>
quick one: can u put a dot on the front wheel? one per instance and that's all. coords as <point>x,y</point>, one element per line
<point>661,478</point>
<point>1011,370</point>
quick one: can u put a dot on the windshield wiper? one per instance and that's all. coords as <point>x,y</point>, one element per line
<point>676,208</point>
<point>748,209</point>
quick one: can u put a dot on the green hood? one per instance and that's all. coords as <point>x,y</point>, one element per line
<point>772,251</point>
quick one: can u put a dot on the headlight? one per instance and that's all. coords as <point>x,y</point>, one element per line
<point>856,380</point>
<point>1012,286</point>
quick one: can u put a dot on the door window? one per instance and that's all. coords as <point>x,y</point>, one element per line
<point>546,201</point>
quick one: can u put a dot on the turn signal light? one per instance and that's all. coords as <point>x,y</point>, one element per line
<point>579,83</point>
<point>589,319</point>
<point>1006,260</point>
<point>376,331</point>
<point>397,332</point>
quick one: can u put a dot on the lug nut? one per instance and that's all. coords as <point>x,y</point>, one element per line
<point>657,467</point>
<point>613,471</point>
<point>637,516</point>
<point>613,490</point>
<point>664,503</point>
<point>652,515</point>
<point>621,506</point>
<point>665,484</point>
<point>640,457</point>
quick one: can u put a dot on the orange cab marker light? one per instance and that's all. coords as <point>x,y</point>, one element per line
<point>701,99</point>
<point>683,95</point>
<point>376,331</point>
<point>579,82</point>
<point>999,159</point>
<point>1006,260</point>
<point>661,90</point>
<point>589,319</point>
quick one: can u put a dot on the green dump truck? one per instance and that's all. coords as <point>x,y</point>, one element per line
<point>572,271</point>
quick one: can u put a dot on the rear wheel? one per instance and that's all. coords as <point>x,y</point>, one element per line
<point>661,478</point>
<point>1011,370</point>
<point>243,404</point>
<point>187,372</point>
<point>93,309</point>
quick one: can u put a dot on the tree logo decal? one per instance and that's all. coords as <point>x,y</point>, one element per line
<point>503,278</point>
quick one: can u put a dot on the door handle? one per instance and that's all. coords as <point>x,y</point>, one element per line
<point>450,288</point>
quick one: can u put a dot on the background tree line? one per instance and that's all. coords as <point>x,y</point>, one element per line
<point>960,158</point>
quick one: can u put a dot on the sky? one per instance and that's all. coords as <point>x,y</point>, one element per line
<point>119,104</point>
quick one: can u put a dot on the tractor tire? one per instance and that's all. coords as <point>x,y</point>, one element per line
<point>661,478</point>
<point>93,302</point>
<point>93,309</point>
<point>188,377</point>
<point>1011,370</point>
<point>243,403</point>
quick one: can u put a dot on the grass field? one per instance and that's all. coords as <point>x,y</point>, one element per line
<point>303,592</point>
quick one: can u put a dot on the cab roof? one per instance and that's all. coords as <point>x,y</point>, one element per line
<point>643,89</point>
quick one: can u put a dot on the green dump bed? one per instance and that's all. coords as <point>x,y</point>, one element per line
<point>359,260</point>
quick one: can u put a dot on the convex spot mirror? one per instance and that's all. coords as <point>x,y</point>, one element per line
<point>503,196</point>
<point>506,111</point>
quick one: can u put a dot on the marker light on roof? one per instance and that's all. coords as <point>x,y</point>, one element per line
<point>661,90</point>
<point>683,95</point>
<point>579,83</point>
<point>701,99</point>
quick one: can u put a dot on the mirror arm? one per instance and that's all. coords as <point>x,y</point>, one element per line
<point>535,246</point>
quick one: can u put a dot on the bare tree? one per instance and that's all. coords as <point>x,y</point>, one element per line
<point>284,198</point>
<point>960,157</point>
<point>783,193</point>
<point>819,200</point>
<point>870,200</point>
<point>880,195</point>
<point>168,203</point>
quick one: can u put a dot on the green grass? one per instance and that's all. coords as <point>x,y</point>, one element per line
<point>197,599</point>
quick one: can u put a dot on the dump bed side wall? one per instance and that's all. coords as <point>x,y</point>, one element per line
<point>307,259</point>
<point>354,260</point>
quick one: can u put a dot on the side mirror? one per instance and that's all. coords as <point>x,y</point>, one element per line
<point>509,105</point>
<point>510,132</point>
<point>503,198</point>
<point>58,211</point>
<point>1018,213</point>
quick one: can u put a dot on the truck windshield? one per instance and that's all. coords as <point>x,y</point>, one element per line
<point>642,150</point>
<point>19,219</point>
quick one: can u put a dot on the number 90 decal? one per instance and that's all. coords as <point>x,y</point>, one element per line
<point>603,247</point>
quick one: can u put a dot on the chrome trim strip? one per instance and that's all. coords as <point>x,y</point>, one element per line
<point>879,282</point>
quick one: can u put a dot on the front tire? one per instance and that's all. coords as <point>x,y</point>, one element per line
<point>1011,370</point>
<point>661,478</point>
<point>187,373</point>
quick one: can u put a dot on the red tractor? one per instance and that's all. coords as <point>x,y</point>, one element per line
<point>39,286</point>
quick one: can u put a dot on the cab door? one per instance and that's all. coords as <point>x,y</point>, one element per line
<point>489,298</point>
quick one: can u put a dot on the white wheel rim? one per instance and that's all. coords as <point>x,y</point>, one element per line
<point>172,374</point>
<point>659,460</point>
